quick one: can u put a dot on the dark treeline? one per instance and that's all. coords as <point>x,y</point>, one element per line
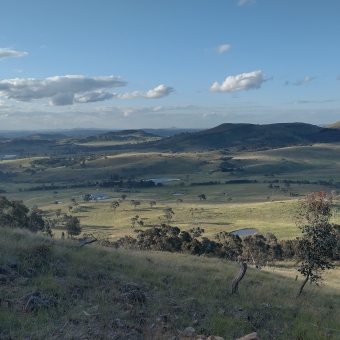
<point>205,183</point>
<point>259,248</point>
<point>240,181</point>
<point>104,184</point>
<point>318,182</point>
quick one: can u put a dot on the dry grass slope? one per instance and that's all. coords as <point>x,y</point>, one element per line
<point>56,292</point>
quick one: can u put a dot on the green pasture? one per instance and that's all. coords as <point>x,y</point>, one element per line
<point>249,207</point>
<point>227,207</point>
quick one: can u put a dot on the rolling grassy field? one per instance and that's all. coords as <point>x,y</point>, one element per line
<point>227,207</point>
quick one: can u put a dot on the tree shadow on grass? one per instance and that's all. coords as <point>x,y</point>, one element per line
<point>98,227</point>
<point>84,208</point>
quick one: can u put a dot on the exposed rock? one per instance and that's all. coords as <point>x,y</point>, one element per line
<point>221,311</point>
<point>132,293</point>
<point>133,296</point>
<point>212,337</point>
<point>252,336</point>
<point>266,305</point>
<point>189,331</point>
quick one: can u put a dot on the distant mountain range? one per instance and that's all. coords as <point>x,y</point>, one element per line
<point>85,132</point>
<point>228,136</point>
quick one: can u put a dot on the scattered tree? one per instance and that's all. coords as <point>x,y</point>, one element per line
<point>168,212</point>
<point>134,220</point>
<point>58,212</point>
<point>315,247</point>
<point>136,203</point>
<point>86,197</point>
<point>114,205</point>
<point>73,226</point>
<point>152,203</point>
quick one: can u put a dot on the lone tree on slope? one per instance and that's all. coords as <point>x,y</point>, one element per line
<point>315,247</point>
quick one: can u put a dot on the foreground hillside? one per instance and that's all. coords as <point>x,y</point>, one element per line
<point>63,291</point>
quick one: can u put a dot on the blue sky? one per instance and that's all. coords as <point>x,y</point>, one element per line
<point>184,63</point>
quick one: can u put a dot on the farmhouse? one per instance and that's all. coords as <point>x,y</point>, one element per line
<point>99,196</point>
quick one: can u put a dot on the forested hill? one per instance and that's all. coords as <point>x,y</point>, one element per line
<point>248,136</point>
<point>119,136</point>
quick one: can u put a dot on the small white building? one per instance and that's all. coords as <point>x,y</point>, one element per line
<point>99,197</point>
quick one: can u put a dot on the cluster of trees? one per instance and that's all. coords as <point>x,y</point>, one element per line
<point>205,183</point>
<point>59,161</point>
<point>300,182</point>
<point>14,214</point>
<point>241,181</point>
<point>6,175</point>
<point>129,184</point>
<point>60,186</point>
<point>259,248</point>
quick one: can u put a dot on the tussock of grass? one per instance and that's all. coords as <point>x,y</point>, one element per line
<point>89,296</point>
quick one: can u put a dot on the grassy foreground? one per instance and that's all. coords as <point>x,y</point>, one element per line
<point>66,292</point>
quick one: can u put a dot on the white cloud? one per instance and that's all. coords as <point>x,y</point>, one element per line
<point>2,102</point>
<point>62,98</point>
<point>241,82</point>
<point>245,2</point>
<point>60,88</point>
<point>222,48</point>
<point>8,53</point>
<point>158,92</point>
<point>89,97</point>
<point>304,80</point>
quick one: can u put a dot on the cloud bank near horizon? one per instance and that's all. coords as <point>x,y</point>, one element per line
<point>73,89</point>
